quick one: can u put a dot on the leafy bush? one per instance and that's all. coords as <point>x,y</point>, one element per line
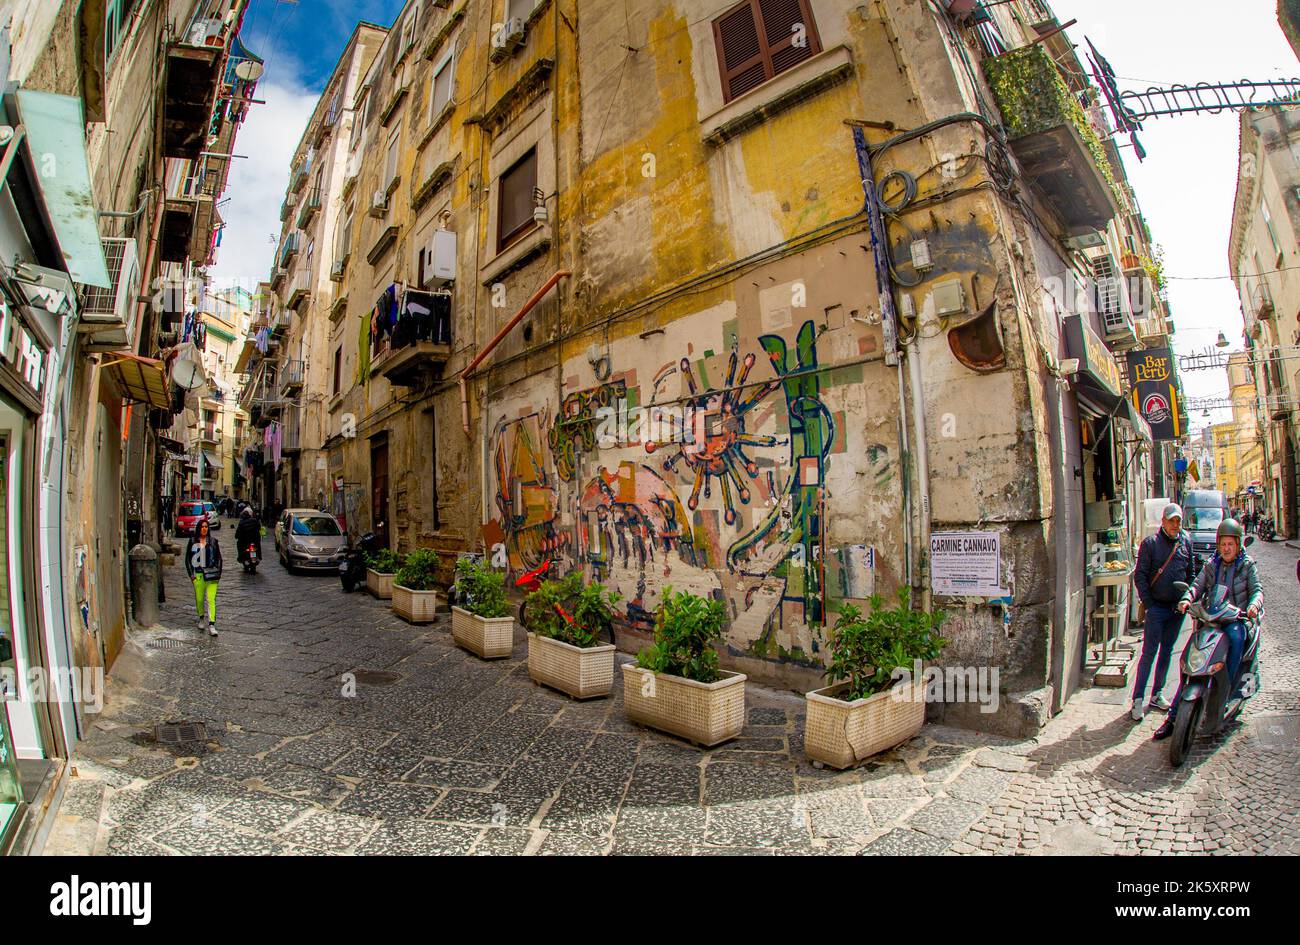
<point>419,571</point>
<point>589,610</point>
<point>686,627</point>
<point>865,652</point>
<point>482,589</point>
<point>384,561</point>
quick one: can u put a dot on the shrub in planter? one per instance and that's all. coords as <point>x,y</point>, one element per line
<point>565,621</point>
<point>414,597</point>
<point>380,568</point>
<point>866,709</point>
<point>483,625</point>
<point>676,685</point>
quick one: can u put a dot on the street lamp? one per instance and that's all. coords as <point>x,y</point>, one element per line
<point>1222,342</point>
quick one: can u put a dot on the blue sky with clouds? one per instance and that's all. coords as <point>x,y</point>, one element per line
<point>300,43</point>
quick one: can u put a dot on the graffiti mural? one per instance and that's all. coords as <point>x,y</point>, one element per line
<point>525,500</point>
<point>577,425</point>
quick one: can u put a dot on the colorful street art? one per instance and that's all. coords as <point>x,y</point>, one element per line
<point>525,499</point>
<point>577,425</point>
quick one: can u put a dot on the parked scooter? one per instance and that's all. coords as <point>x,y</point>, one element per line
<point>1208,699</point>
<point>455,596</point>
<point>1266,530</point>
<point>352,569</point>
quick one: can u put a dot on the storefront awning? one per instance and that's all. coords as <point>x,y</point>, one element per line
<point>175,447</point>
<point>139,379</point>
<point>56,133</point>
<point>1097,383</point>
<point>210,461</point>
<point>1137,421</point>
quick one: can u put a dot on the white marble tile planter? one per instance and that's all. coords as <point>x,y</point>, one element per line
<point>488,637</point>
<point>581,672</point>
<point>704,713</point>
<point>843,734</point>
<point>380,585</point>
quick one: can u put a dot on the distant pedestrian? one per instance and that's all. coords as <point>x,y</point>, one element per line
<point>203,565</point>
<point>1164,559</point>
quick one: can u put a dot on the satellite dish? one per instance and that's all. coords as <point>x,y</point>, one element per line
<point>250,70</point>
<point>188,375</point>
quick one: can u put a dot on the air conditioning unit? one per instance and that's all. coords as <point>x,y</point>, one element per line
<point>336,271</point>
<point>507,38</point>
<point>438,260</point>
<point>379,203</point>
<point>112,309</point>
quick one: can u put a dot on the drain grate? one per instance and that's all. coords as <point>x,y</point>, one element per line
<point>178,733</point>
<point>375,677</point>
<point>167,643</point>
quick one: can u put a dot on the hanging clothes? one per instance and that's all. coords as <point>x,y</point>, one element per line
<point>363,349</point>
<point>277,436</point>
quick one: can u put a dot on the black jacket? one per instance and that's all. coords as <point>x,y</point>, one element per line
<point>248,531</point>
<point>211,563</point>
<point>1151,555</point>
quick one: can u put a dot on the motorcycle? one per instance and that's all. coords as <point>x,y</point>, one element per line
<point>1208,699</point>
<point>455,596</point>
<point>1266,530</point>
<point>250,559</point>
<point>352,569</point>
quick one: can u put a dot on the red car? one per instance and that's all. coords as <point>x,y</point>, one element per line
<point>188,514</point>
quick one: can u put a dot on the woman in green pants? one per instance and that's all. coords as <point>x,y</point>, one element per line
<point>203,565</point>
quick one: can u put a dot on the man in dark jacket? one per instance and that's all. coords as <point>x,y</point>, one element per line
<point>1163,559</point>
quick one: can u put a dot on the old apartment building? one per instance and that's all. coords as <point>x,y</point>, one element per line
<point>604,286</point>
<point>1263,252</point>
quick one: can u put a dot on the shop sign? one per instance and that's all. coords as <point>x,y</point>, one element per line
<point>1151,376</point>
<point>1094,357</point>
<point>966,564</point>
<point>19,348</point>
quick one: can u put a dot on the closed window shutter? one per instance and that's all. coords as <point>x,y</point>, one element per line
<point>756,42</point>
<point>780,19</point>
<point>744,65</point>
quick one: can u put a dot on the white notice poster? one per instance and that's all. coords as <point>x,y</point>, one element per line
<point>966,564</point>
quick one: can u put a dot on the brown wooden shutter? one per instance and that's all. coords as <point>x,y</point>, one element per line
<point>741,53</point>
<point>779,18</point>
<point>756,42</point>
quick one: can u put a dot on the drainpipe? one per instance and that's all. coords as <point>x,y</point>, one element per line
<point>922,466</point>
<point>505,330</point>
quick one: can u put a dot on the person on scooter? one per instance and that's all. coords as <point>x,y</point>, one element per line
<point>1235,571</point>
<point>1164,559</point>
<point>248,532</point>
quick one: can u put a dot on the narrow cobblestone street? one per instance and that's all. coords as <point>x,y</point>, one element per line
<point>439,752</point>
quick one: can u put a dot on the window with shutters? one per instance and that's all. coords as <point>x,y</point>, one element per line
<point>759,39</point>
<point>440,86</point>
<point>390,162</point>
<point>515,200</point>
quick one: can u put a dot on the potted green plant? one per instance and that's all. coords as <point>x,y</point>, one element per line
<point>414,596</point>
<point>565,621</point>
<point>483,625</point>
<point>869,708</point>
<point>380,568</point>
<point>676,685</point>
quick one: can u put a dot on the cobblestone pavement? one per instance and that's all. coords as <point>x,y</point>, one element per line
<point>440,752</point>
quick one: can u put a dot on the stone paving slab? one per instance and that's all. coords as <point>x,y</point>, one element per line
<point>463,756</point>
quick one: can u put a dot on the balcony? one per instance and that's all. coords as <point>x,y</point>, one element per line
<point>286,208</point>
<point>1261,300</point>
<point>193,73</point>
<point>291,433</point>
<point>291,378</point>
<point>1052,138</point>
<point>420,344</point>
<point>209,433</point>
<point>308,207</point>
<point>299,292</point>
<point>289,248</point>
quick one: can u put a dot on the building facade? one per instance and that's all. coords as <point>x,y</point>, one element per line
<point>681,345</point>
<point>1263,256</point>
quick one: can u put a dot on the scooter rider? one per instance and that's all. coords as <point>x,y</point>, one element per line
<point>1235,570</point>
<point>248,532</point>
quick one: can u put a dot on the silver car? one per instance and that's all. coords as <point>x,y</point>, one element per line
<point>310,540</point>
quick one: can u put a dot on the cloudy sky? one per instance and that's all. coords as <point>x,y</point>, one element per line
<point>1186,185</point>
<point>300,43</point>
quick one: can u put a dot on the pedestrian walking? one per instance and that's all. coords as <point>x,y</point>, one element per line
<point>1164,559</point>
<point>203,565</point>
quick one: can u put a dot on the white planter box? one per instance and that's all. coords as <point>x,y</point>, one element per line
<point>843,734</point>
<point>381,585</point>
<point>583,673</point>
<point>489,637</point>
<point>705,713</point>
<point>415,606</point>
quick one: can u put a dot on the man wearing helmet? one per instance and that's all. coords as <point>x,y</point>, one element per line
<point>1234,571</point>
<point>1164,559</point>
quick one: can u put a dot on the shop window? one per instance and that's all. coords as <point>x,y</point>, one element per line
<point>978,343</point>
<point>759,39</point>
<point>516,200</point>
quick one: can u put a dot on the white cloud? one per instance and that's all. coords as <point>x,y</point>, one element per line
<point>257,183</point>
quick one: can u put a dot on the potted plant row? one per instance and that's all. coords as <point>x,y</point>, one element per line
<point>565,620</point>
<point>868,708</point>
<point>483,625</point>
<point>676,685</point>
<point>380,568</point>
<point>414,595</point>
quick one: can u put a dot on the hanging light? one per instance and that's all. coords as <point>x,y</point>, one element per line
<point>1222,342</point>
